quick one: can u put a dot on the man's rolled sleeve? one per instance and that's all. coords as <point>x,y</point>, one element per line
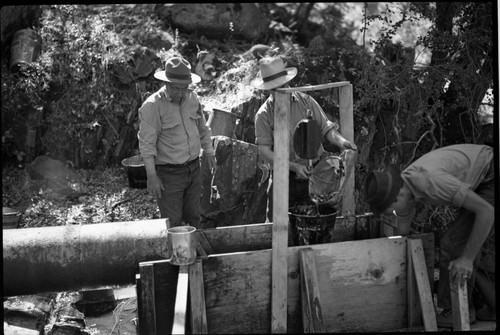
<point>459,197</point>
<point>442,188</point>
<point>263,130</point>
<point>148,130</point>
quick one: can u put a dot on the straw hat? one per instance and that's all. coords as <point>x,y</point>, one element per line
<point>274,74</point>
<point>382,188</point>
<point>177,71</point>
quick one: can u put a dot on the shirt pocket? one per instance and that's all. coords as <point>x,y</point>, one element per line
<point>170,122</point>
<point>193,123</point>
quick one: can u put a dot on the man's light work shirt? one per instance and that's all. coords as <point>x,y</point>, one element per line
<point>173,133</point>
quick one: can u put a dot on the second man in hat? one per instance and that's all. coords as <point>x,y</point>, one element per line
<point>274,75</point>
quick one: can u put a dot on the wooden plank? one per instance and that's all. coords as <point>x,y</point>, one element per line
<point>312,312</point>
<point>238,292</point>
<point>197,298</point>
<point>459,305</point>
<point>414,309</point>
<point>429,249</point>
<point>181,298</point>
<point>424,290</point>
<point>165,285</point>
<point>239,238</point>
<point>280,212</point>
<point>314,87</point>
<point>146,299</point>
<point>347,131</point>
<point>203,247</point>
<point>362,284</point>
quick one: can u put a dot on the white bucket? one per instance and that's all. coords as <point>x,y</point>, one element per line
<point>181,245</point>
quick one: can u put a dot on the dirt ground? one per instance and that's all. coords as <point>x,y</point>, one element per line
<point>108,199</point>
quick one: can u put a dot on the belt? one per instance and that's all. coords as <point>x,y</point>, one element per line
<point>180,165</point>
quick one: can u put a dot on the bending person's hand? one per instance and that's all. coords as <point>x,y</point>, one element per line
<point>460,269</point>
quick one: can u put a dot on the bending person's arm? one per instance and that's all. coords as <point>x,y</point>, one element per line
<point>483,222</point>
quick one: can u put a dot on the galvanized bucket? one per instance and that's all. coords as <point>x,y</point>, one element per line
<point>136,172</point>
<point>314,228</point>
<point>10,218</point>
<point>181,245</point>
<point>25,48</point>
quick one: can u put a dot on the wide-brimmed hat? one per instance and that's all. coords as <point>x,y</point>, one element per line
<point>382,188</point>
<point>177,71</point>
<point>273,74</point>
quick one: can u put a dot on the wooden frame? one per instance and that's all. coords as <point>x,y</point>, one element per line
<point>459,305</point>
<point>280,188</point>
<point>363,287</point>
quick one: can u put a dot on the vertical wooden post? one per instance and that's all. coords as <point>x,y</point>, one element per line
<point>146,299</point>
<point>424,290</point>
<point>459,305</point>
<point>413,303</point>
<point>197,298</point>
<point>179,326</point>
<point>347,130</point>
<point>312,311</point>
<point>280,213</point>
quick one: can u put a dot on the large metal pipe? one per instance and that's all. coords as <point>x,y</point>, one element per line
<point>76,257</point>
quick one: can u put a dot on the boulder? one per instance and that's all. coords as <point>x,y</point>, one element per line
<point>58,175</point>
<point>217,20</point>
<point>27,314</point>
<point>236,193</point>
<point>143,62</point>
<point>204,66</point>
<point>245,128</point>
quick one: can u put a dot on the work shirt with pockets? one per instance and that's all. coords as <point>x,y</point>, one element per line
<point>173,133</point>
<point>300,103</point>
<point>443,176</point>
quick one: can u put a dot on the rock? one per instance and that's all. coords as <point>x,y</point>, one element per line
<point>96,302</point>
<point>158,40</point>
<point>27,314</point>
<point>66,319</point>
<point>217,20</point>
<point>245,128</point>
<point>59,177</point>
<point>236,193</point>
<point>317,46</point>
<point>205,67</point>
<point>143,63</point>
<point>257,52</point>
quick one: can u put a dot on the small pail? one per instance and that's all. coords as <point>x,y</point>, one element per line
<point>10,218</point>
<point>222,122</point>
<point>310,226</point>
<point>181,245</point>
<point>136,172</point>
<point>25,48</point>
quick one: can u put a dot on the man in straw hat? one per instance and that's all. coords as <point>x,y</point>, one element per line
<point>460,175</point>
<point>172,134</point>
<point>273,75</point>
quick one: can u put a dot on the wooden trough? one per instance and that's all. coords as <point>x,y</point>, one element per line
<point>367,285</point>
